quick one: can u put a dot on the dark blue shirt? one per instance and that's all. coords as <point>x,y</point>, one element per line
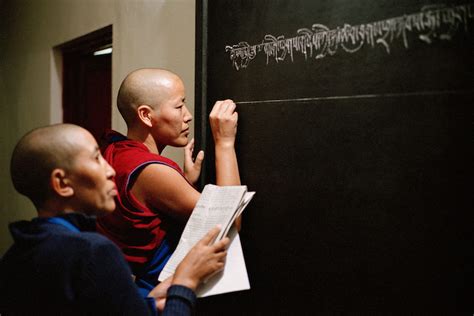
<point>53,269</point>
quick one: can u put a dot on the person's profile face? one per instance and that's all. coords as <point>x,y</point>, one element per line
<point>171,118</point>
<point>92,178</point>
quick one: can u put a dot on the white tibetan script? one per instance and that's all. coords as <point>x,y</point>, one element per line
<point>431,23</point>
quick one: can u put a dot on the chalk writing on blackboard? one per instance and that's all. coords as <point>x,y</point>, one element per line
<point>434,22</point>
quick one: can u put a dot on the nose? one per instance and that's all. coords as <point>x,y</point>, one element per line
<point>109,171</point>
<point>187,115</point>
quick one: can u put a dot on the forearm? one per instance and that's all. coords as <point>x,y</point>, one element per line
<point>227,171</point>
<point>227,168</point>
<point>180,301</point>
<point>223,120</point>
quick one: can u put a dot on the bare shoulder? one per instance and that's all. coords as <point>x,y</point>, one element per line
<point>163,188</point>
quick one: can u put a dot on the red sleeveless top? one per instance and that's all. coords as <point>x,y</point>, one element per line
<point>134,227</point>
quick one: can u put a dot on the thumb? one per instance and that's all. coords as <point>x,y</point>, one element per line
<point>210,235</point>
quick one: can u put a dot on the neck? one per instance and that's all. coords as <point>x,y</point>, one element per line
<point>146,139</point>
<point>54,207</point>
<point>45,212</point>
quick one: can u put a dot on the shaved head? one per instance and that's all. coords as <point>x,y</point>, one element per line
<point>147,86</point>
<point>37,154</point>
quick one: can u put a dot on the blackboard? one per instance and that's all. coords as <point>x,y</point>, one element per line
<point>356,123</point>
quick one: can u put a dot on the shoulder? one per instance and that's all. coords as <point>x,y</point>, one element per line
<point>164,189</point>
<point>80,245</point>
<point>102,257</point>
<point>99,258</point>
<point>95,242</point>
<point>159,179</point>
<point>129,156</point>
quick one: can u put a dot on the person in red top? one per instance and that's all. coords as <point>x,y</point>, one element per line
<point>155,197</point>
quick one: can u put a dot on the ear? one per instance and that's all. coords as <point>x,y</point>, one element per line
<point>60,183</point>
<point>144,114</point>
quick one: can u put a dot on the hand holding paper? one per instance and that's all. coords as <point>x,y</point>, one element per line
<point>216,206</point>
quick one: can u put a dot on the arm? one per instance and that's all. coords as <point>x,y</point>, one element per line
<point>106,282</point>
<point>202,261</point>
<point>165,189</point>
<point>223,120</point>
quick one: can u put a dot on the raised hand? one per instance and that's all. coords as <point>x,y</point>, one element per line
<point>223,120</point>
<point>192,168</point>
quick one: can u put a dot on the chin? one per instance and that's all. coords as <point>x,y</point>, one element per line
<point>107,209</point>
<point>181,143</point>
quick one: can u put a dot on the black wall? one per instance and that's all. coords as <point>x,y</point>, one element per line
<point>362,158</point>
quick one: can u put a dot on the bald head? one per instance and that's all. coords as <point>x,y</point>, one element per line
<point>37,154</point>
<point>147,86</point>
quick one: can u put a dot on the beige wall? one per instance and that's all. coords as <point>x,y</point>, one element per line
<point>146,33</point>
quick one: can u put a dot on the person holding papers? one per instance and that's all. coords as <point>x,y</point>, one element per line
<point>155,198</point>
<point>176,295</point>
<point>58,264</point>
